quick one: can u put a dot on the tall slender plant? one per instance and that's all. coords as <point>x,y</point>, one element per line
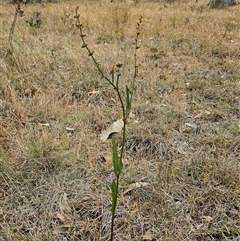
<point>125,100</point>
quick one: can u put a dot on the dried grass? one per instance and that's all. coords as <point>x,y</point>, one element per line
<point>183,137</point>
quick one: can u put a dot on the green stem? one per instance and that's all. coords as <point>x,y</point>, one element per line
<point>114,209</point>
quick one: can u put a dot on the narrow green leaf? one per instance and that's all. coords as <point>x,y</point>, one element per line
<point>120,166</point>
<point>115,157</point>
<point>114,195</point>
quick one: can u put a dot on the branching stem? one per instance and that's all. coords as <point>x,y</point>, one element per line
<point>117,159</point>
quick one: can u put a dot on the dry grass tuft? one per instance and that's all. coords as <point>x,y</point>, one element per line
<point>183,138</point>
